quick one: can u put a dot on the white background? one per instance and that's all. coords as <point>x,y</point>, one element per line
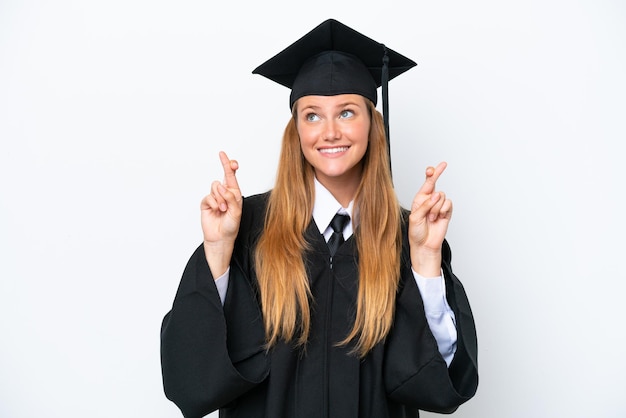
<point>111,117</point>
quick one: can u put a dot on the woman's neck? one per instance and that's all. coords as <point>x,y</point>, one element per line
<point>343,189</point>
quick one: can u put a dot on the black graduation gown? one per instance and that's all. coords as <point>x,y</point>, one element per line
<point>212,356</point>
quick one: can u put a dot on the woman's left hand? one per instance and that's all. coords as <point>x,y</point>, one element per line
<point>430,215</point>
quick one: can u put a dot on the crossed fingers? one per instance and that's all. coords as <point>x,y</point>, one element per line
<point>432,175</point>
<point>227,191</point>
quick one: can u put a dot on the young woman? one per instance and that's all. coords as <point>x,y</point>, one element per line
<point>271,320</point>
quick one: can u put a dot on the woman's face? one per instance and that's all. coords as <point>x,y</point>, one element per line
<point>334,133</point>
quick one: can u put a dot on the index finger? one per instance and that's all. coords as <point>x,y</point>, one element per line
<point>230,167</point>
<point>432,175</point>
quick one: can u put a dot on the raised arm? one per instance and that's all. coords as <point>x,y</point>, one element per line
<point>220,218</point>
<point>430,215</point>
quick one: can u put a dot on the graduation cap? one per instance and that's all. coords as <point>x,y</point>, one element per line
<point>335,59</point>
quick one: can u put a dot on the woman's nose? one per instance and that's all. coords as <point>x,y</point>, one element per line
<point>331,130</point>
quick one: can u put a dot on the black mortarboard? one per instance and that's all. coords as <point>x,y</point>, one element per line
<point>334,59</point>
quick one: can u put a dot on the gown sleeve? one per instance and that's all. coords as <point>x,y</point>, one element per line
<point>415,373</point>
<point>212,354</point>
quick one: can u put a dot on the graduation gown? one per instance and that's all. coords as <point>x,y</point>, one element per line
<point>213,356</point>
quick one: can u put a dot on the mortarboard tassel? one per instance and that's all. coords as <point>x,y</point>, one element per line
<point>384,83</point>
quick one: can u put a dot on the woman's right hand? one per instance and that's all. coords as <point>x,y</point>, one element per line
<point>221,215</point>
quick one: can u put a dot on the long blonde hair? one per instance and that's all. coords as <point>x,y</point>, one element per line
<point>279,261</point>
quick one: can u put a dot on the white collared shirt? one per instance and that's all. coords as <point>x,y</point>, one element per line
<point>325,208</point>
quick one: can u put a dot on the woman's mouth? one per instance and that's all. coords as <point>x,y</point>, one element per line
<point>333,150</point>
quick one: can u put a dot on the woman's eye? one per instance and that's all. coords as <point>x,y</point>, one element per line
<point>312,117</point>
<point>346,114</point>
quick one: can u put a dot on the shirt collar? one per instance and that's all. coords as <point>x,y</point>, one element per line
<point>326,206</point>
